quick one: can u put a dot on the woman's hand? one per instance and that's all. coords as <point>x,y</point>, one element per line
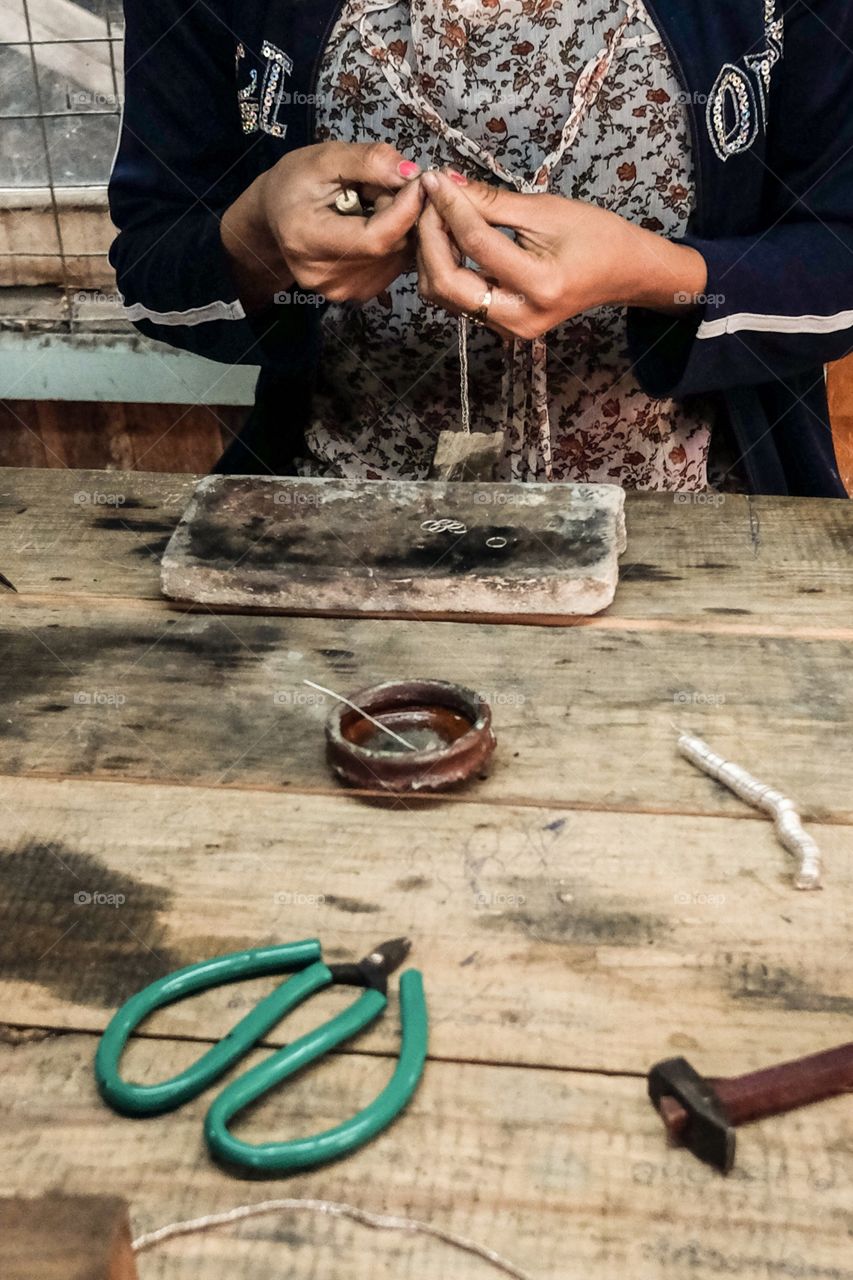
<point>566,258</point>
<point>285,228</point>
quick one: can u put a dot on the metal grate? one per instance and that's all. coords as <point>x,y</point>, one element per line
<point>60,106</point>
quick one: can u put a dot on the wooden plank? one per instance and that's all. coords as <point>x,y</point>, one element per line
<point>398,548</point>
<point>733,561</point>
<point>115,690</point>
<point>87,532</point>
<point>73,434</point>
<point>760,562</point>
<point>54,1237</point>
<point>595,941</point>
<point>566,1175</point>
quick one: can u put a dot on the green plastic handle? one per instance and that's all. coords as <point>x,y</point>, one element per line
<point>147,1100</point>
<point>304,1153</point>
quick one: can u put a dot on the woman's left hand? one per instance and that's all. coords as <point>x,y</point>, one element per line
<point>567,257</point>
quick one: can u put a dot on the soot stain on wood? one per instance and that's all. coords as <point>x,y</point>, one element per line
<point>215,542</point>
<point>584,542</point>
<point>840,535</point>
<point>641,572</point>
<point>352,905</point>
<point>535,909</point>
<point>97,657</point>
<point>408,883</point>
<point>82,930</point>
<point>134,526</point>
<point>221,546</point>
<point>150,550</point>
<point>766,984</point>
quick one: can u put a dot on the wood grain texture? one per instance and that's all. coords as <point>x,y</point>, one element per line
<point>51,1237</point>
<point>593,907</point>
<point>595,941</point>
<point>583,717</point>
<point>736,563</point>
<point>98,533</point>
<point>118,437</point>
<point>567,1175</point>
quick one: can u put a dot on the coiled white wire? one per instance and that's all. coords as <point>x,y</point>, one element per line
<point>786,818</point>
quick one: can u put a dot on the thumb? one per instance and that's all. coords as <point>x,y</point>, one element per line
<point>375,164</point>
<point>396,216</point>
<point>497,206</point>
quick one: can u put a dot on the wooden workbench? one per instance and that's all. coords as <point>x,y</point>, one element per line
<point>594,906</point>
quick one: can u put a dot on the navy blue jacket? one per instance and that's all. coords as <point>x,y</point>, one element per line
<point>218,91</point>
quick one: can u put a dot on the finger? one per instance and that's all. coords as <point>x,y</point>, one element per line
<point>391,223</point>
<point>509,315</point>
<point>334,242</point>
<point>439,257</point>
<point>442,278</point>
<point>443,281</point>
<point>384,231</point>
<point>499,207</point>
<point>370,194</point>
<point>376,164</point>
<point>489,248</point>
<point>435,222</point>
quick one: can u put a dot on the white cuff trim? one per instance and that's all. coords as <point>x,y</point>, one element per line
<point>196,315</point>
<point>747,321</point>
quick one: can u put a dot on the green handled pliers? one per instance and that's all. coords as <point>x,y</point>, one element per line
<point>304,960</point>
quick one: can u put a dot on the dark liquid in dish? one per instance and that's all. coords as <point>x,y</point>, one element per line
<point>428,728</point>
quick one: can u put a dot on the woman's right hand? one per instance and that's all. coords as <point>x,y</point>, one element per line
<point>285,228</point>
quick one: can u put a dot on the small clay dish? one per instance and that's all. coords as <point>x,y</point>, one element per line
<point>449,726</point>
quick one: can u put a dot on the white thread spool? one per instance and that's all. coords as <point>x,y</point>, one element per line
<point>348,202</point>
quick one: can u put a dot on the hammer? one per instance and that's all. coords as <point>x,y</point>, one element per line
<point>703,1114</point>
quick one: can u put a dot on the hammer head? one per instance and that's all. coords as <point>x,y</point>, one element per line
<point>692,1112</point>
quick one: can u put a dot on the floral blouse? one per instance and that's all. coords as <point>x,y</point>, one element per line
<point>488,86</point>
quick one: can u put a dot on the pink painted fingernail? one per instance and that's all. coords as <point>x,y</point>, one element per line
<point>458,178</point>
<point>408,169</point>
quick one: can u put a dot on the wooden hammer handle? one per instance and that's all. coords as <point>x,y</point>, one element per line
<point>786,1087</point>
